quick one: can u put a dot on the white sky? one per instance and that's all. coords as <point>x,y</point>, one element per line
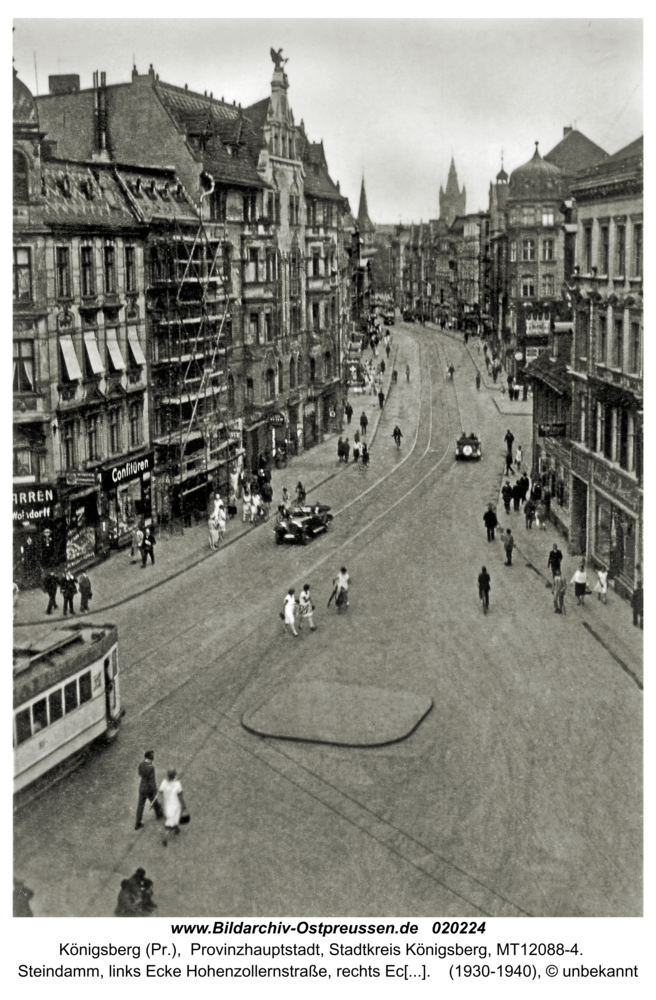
<point>395,98</point>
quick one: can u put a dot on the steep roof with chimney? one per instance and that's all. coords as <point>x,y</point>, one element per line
<point>365,225</point>
<point>575,152</point>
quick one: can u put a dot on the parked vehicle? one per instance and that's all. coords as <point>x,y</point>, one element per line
<point>408,316</point>
<point>302,524</point>
<point>469,447</point>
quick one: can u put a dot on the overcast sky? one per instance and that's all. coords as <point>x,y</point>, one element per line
<point>393,98</point>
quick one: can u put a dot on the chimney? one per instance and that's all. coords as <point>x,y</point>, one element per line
<point>68,83</point>
<point>567,130</point>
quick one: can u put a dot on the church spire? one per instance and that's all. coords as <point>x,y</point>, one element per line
<point>452,201</point>
<point>365,225</point>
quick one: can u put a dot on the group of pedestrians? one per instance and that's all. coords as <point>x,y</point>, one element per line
<point>301,609</point>
<point>69,585</point>
<point>143,544</point>
<point>360,449</point>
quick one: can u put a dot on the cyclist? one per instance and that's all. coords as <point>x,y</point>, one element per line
<point>397,435</point>
<point>484,588</point>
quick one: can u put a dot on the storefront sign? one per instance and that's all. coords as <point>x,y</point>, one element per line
<point>234,435</point>
<point>80,478</point>
<point>617,486</point>
<point>134,468</point>
<point>277,419</point>
<point>537,327</point>
<point>34,504</point>
<point>552,430</point>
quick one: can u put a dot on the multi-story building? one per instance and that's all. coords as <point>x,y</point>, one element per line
<point>246,170</point>
<point>588,410</point>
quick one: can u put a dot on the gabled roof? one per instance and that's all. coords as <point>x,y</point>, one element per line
<point>575,152</point>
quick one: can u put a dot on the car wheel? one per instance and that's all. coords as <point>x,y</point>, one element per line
<point>279,538</point>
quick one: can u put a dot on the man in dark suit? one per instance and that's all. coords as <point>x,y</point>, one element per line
<point>147,788</point>
<point>490,520</point>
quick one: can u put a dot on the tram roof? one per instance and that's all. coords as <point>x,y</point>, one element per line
<point>44,657</point>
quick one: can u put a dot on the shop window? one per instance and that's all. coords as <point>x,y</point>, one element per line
<point>615,539</point>
<point>70,697</point>
<point>604,250</point>
<point>21,186</point>
<point>547,249</point>
<point>110,269</point>
<point>130,270</point>
<point>22,274</point>
<point>135,425</point>
<point>55,705</point>
<point>63,258</point>
<point>23,366</point>
<point>602,340</point>
<point>620,251</point>
<point>292,373</point>
<point>618,343</point>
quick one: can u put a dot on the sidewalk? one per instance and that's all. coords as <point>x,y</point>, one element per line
<point>511,408</point>
<point>118,579</point>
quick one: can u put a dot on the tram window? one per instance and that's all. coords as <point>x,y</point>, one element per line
<point>39,715</point>
<point>23,726</point>
<point>55,705</point>
<point>85,688</point>
<point>70,696</point>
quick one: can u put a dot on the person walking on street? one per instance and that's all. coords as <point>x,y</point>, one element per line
<point>509,545</point>
<point>363,424</point>
<point>341,588</point>
<point>356,453</point>
<point>559,589</point>
<point>506,496</point>
<point>213,529</point>
<point>382,366</point>
<point>50,585</point>
<point>637,604</point>
<point>348,410</point>
<point>387,350</point>
<point>490,521</point>
<point>601,586</point>
<point>306,608</point>
<point>147,788</point>
<point>84,586</point>
<point>484,588</point>
<point>397,435</point>
<point>517,495</point>
<point>137,542</point>
<point>478,381</point>
<point>220,521</point>
<point>246,497</point>
<point>289,612</point>
<point>524,481</point>
<point>580,581</point>
<point>509,438</point>
<point>365,456</point>
<point>541,515</point>
<point>519,457</point>
<point>147,549</point>
<point>554,560</point>
<point>173,803</point>
<point>529,514</point>
<point>69,590</point>
<point>407,373</point>
<point>340,450</point>
<point>347,448</point>
<point>508,471</point>
<point>381,399</point>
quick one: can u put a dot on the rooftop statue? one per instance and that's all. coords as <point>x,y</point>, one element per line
<point>278,59</point>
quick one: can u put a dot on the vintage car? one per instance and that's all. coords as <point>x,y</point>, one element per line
<point>302,524</point>
<point>468,446</point>
<point>388,318</point>
<point>408,316</point>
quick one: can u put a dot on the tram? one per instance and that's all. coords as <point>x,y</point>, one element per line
<point>66,695</point>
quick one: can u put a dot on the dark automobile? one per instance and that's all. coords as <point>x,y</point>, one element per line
<point>302,524</point>
<point>469,447</point>
<point>388,318</point>
<point>408,316</point>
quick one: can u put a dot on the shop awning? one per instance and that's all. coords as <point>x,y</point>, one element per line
<point>93,353</point>
<point>70,358</point>
<point>135,346</point>
<point>115,351</point>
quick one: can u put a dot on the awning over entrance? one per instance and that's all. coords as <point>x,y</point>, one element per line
<point>70,358</point>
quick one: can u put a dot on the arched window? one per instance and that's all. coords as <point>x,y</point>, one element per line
<point>250,391</point>
<point>21,188</point>
<point>269,384</point>
<point>280,377</point>
<point>313,370</point>
<point>292,373</point>
<point>231,392</point>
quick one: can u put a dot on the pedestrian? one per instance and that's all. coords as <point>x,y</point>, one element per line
<point>601,586</point>
<point>173,803</point>
<point>348,410</point>
<point>69,590</point>
<point>510,380</point>
<point>363,424</point>
<point>220,521</point>
<point>637,604</point>
<point>232,504</point>
<point>147,548</point>
<point>306,607</point>
<point>147,788</point>
<point>484,587</point>
<point>580,581</point>
<point>356,454</point>
<point>407,373</point>
<point>341,588</point>
<point>517,495</point>
<point>137,542</point>
<point>509,469</point>
<point>397,435</point>
<point>289,612</point>
<point>554,560</point>
<point>518,458</point>
<point>382,367</point>
<point>506,496</point>
<point>546,498</point>
<point>541,515</point>
<point>356,438</point>
<point>536,491</point>
<point>50,585</point>
<point>490,521</point>
<point>347,449</point>
<point>234,480</point>
<point>127,904</point>
<point>509,438</point>
<point>529,514</point>
<point>387,350</point>
<point>365,456</point>
<point>213,529</point>
<point>509,545</point>
<point>525,484</point>
<point>142,890</point>
<point>340,450</point>
<point>559,589</point>
<point>478,381</point>
<point>300,494</point>
<point>381,399</point>
<point>246,497</point>
<point>256,505</point>
<point>84,586</point>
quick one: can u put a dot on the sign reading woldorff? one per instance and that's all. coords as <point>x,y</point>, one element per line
<point>134,468</point>
<point>34,504</point>
<point>552,430</point>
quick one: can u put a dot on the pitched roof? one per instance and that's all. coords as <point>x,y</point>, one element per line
<point>83,195</point>
<point>634,148</point>
<point>575,152</point>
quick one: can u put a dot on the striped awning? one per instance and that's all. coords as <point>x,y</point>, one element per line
<point>70,358</point>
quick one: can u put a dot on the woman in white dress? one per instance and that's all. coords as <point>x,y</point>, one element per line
<point>213,526</point>
<point>601,586</point>
<point>173,803</point>
<point>290,611</point>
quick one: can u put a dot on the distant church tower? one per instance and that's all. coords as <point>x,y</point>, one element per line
<point>452,201</point>
<point>365,225</point>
